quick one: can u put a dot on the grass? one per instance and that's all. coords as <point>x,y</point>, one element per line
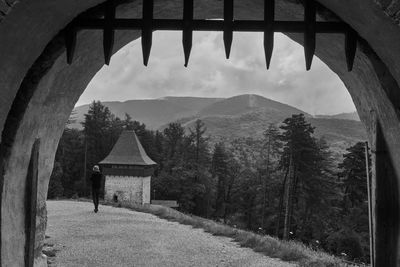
<point>289,251</point>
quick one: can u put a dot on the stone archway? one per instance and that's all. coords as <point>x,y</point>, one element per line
<point>39,90</point>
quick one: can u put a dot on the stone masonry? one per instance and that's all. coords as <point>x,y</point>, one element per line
<point>128,189</point>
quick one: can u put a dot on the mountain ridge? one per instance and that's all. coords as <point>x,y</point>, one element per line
<point>233,117</point>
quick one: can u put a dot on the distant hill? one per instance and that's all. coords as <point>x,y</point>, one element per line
<point>192,103</point>
<point>340,134</point>
<point>239,105</point>
<point>152,112</point>
<point>238,116</point>
<point>342,116</point>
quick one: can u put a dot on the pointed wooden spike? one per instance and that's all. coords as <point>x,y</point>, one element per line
<point>70,43</point>
<point>187,33</point>
<point>309,33</point>
<point>228,31</point>
<point>147,40</point>
<point>268,47</point>
<point>108,44</point>
<point>108,32</point>
<point>147,29</point>
<point>187,45</point>
<point>309,51</point>
<point>228,36</point>
<point>269,17</point>
<point>351,47</point>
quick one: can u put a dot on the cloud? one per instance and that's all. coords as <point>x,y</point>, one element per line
<point>209,74</point>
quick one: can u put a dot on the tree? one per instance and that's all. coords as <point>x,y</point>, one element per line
<point>100,135</point>
<point>271,152</point>
<point>303,162</point>
<point>199,157</point>
<point>56,189</point>
<point>200,143</point>
<point>354,204</point>
<point>70,157</point>
<point>354,175</point>
<point>219,171</point>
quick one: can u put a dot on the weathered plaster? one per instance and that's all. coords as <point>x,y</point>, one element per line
<point>128,189</point>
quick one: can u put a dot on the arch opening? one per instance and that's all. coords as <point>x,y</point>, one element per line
<point>45,100</point>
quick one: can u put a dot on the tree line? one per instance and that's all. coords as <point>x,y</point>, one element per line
<point>286,184</point>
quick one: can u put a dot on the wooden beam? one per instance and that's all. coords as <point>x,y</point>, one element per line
<point>369,192</point>
<point>214,25</point>
<point>187,32</point>
<point>31,204</point>
<point>385,202</point>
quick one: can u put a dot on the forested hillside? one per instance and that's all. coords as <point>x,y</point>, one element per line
<point>282,181</point>
<point>235,117</point>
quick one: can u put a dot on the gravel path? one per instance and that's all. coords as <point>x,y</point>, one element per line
<point>120,237</point>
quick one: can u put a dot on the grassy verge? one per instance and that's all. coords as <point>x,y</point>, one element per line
<point>285,250</point>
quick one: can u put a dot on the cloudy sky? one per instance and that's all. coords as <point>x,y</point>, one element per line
<point>209,74</point>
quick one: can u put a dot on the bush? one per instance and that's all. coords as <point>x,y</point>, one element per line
<point>347,242</point>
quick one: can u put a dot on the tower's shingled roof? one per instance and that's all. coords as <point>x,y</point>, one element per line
<point>128,151</point>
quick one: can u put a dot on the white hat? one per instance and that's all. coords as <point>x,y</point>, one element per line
<point>96,168</point>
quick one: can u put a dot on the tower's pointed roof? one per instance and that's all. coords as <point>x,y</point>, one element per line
<point>128,151</point>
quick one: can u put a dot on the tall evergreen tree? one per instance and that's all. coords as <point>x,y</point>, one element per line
<point>271,152</point>
<point>219,171</point>
<point>99,134</point>
<point>354,205</point>
<point>298,161</point>
<point>56,189</point>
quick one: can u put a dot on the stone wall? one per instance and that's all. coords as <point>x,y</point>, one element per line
<point>391,8</point>
<point>128,189</point>
<point>5,7</point>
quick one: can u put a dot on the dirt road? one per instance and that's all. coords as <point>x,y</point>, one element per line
<point>120,237</point>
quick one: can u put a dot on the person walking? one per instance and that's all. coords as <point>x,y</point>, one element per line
<point>95,178</point>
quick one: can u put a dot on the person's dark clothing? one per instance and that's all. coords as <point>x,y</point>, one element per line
<point>96,179</point>
<point>96,184</point>
<point>95,195</point>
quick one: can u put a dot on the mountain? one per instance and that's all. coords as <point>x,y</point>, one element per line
<point>339,134</point>
<point>192,103</point>
<point>152,112</point>
<point>241,116</point>
<point>342,116</point>
<point>234,117</point>
<point>242,104</point>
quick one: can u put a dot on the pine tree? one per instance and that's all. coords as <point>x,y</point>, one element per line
<point>219,171</point>
<point>354,204</point>
<point>354,175</point>
<point>56,189</point>
<point>70,156</point>
<point>200,160</point>
<point>173,139</point>
<point>99,134</point>
<point>297,159</point>
<point>271,151</point>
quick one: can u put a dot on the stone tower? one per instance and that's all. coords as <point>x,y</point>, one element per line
<point>127,170</point>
